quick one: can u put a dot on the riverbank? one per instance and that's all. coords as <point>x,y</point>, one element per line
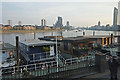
<point>27,31</point>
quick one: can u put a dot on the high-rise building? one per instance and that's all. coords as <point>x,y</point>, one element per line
<point>43,23</point>
<point>10,22</point>
<point>119,13</point>
<point>20,23</point>
<point>98,23</point>
<point>59,22</point>
<point>115,16</point>
<point>67,24</point>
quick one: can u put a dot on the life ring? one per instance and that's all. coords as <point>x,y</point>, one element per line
<point>11,53</point>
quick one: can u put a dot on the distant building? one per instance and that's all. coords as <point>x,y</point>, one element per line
<point>10,22</point>
<point>6,27</point>
<point>99,23</point>
<point>115,15</point>
<point>24,27</point>
<point>29,27</point>
<point>43,23</point>
<point>20,23</point>
<point>46,28</point>
<point>59,22</point>
<point>119,13</point>
<point>68,23</point>
<point>1,26</point>
<point>18,27</point>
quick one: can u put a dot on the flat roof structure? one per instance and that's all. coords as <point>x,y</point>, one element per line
<point>34,42</point>
<point>78,38</point>
<point>6,46</point>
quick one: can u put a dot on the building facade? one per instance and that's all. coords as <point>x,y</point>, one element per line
<point>10,22</point>
<point>119,13</point>
<point>20,23</point>
<point>59,22</point>
<point>43,23</point>
<point>115,15</point>
<point>6,27</point>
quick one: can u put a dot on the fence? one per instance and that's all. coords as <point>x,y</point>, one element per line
<point>71,67</point>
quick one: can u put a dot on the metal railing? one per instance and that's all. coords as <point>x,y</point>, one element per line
<point>25,55</point>
<point>61,58</point>
<point>46,68</point>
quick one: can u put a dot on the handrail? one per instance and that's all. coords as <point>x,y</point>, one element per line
<point>35,66</point>
<point>71,59</point>
<point>42,59</point>
<point>25,55</point>
<point>40,53</point>
<point>31,64</point>
<point>61,57</point>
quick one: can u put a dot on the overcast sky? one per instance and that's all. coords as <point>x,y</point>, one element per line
<point>77,13</point>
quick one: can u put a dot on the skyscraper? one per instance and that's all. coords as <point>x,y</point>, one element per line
<point>43,23</point>
<point>59,22</point>
<point>119,13</point>
<point>20,23</point>
<point>98,23</point>
<point>115,16</point>
<point>10,22</point>
<point>67,24</point>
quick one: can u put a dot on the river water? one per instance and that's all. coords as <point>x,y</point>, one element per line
<point>10,38</point>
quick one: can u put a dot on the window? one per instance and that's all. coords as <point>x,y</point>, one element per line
<point>104,40</point>
<point>108,41</point>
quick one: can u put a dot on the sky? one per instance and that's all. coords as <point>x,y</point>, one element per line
<point>77,13</point>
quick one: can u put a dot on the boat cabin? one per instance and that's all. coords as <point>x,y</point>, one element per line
<point>33,51</point>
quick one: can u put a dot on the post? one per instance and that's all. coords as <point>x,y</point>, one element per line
<point>34,35</point>
<point>17,50</point>
<point>100,62</point>
<point>83,33</point>
<point>56,54</point>
<point>35,66</point>
<point>93,33</point>
<point>111,38</point>
<point>52,33</point>
<point>61,33</point>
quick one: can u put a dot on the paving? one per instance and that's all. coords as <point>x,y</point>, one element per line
<point>99,76</point>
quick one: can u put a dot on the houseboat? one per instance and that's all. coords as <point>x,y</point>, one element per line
<point>36,51</point>
<point>80,45</point>
<point>7,54</point>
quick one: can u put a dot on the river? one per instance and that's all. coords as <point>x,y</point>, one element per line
<point>10,38</point>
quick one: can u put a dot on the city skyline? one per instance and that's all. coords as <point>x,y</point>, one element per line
<point>78,14</point>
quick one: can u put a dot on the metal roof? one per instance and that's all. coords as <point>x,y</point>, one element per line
<point>78,38</point>
<point>34,42</point>
<point>6,46</point>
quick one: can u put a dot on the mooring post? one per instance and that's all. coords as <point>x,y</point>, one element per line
<point>93,33</point>
<point>83,33</point>
<point>17,50</point>
<point>34,35</point>
<point>111,38</point>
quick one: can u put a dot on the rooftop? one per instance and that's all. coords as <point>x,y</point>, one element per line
<point>80,38</point>
<point>37,42</point>
<point>5,46</point>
